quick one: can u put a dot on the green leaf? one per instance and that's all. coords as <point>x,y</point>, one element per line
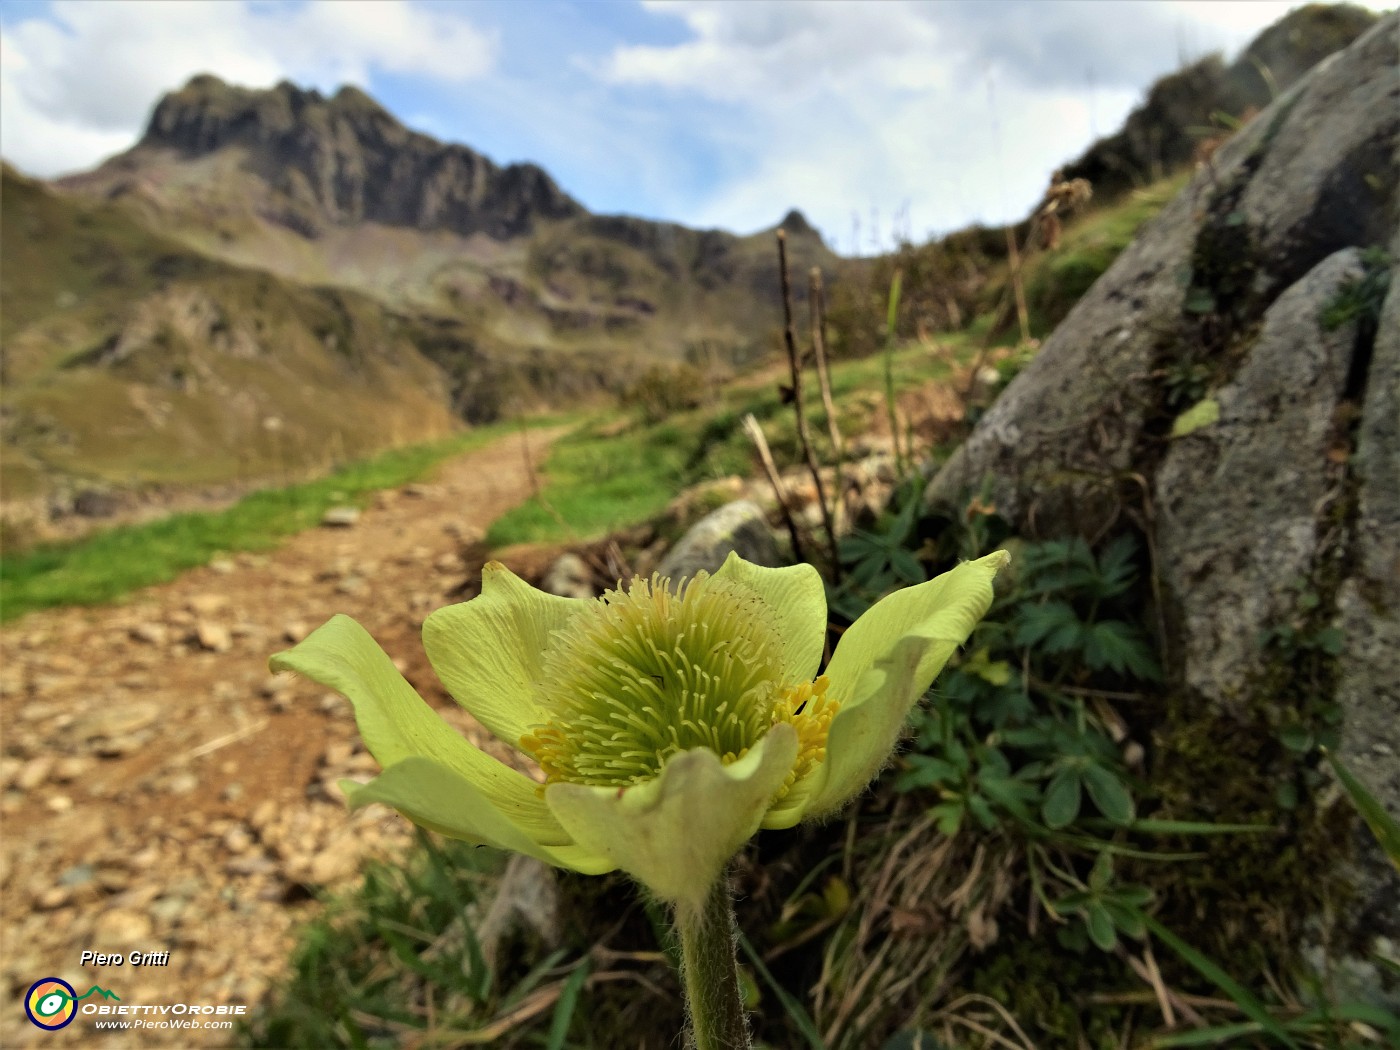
<point>1381,823</point>
<point>980,809</point>
<point>1062,799</point>
<point>1127,919</point>
<point>1216,1035</point>
<point>949,816</point>
<point>1109,794</point>
<point>1152,826</point>
<point>1208,969</point>
<point>801,1019</point>
<point>1038,624</point>
<point>1198,416</point>
<point>1116,646</point>
<point>564,1008</point>
<point>1100,926</point>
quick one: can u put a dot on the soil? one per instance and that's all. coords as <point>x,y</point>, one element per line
<point>162,792</point>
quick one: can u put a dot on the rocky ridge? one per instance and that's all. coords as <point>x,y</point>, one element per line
<point>345,159</point>
<point>1229,388</point>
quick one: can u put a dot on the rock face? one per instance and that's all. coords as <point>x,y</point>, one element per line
<point>1276,527</point>
<point>739,527</point>
<point>348,161</point>
<point>1164,131</point>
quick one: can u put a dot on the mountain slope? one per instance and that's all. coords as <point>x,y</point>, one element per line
<point>336,191</point>
<point>129,359</point>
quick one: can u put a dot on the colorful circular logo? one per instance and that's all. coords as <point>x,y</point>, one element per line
<point>51,1003</point>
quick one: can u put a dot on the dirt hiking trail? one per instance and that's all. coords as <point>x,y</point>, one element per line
<point>162,792</point>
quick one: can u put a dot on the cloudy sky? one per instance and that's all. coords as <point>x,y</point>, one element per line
<point>874,117</point>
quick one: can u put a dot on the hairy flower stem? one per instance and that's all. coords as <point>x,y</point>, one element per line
<point>709,965</point>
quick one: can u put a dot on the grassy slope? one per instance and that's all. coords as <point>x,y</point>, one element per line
<point>131,360</point>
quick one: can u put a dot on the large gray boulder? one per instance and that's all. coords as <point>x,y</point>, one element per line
<point>1228,389</point>
<point>740,527</point>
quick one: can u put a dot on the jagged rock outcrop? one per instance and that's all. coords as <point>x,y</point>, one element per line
<point>1164,132</point>
<point>346,160</point>
<point>1231,386</point>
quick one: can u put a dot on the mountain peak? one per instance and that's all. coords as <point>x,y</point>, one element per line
<point>346,160</point>
<point>796,224</point>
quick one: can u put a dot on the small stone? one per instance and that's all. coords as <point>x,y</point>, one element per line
<point>332,703</point>
<point>118,719</point>
<point>341,517</point>
<point>213,636</point>
<point>569,577</point>
<point>146,858</point>
<point>233,792</point>
<point>117,746</point>
<point>58,803</point>
<point>77,875</point>
<point>182,784</point>
<point>113,879</point>
<point>34,772</point>
<point>150,633</point>
<point>53,897</point>
<point>332,863</point>
<point>251,864</point>
<point>208,604</point>
<point>351,585</point>
<point>238,839</point>
<point>166,911</point>
<point>295,631</point>
<point>274,684</point>
<point>223,566</point>
<point>122,927</point>
<point>338,754</point>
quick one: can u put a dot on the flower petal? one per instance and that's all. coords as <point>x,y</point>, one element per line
<point>796,600</point>
<point>441,799</point>
<point>675,834</point>
<point>398,725</point>
<point>884,662</point>
<point>487,650</point>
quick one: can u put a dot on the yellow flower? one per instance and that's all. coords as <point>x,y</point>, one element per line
<point>670,726</point>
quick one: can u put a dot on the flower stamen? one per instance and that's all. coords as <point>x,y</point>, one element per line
<point>648,673</point>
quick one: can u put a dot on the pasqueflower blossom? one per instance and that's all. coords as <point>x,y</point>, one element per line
<point>670,725</point>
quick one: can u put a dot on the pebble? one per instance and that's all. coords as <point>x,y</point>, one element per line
<point>238,839</point>
<point>34,772</point>
<point>150,633</point>
<point>122,927</point>
<point>341,517</point>
<point>334,862</point>
<point>118,720</point>
<point>351,585</point>
<point>53,897</point>
<point>213,636</point>
<point>295,631</point>
<point>116,747</point>
<point>182,784</point>
<point>208,604</point>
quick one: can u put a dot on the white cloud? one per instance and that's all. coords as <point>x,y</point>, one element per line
<point>80,85</point>
<point>961,108</point>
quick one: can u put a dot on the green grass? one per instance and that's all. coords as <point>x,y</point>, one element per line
<point>362,971</point>
<point>599,479</point>
<point>105,566</point>
<point>1056,280</point>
